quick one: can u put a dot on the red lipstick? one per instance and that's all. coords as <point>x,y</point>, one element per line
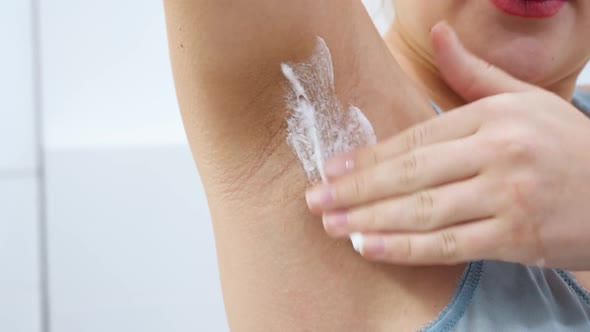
<point>530,8</point>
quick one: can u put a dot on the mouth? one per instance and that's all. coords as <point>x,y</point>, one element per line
<point>530,8</point>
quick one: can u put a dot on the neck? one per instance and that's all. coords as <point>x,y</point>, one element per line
<point>419,64</point>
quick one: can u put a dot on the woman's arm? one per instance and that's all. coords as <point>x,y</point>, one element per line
<point>279,270</point>
<point>226,56</point>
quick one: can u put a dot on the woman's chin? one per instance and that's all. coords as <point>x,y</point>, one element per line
<point>527,59</point>
<point>535,72</point>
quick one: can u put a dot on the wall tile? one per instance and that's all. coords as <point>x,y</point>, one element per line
<point>17,100</point>
<point>131,242</point>
<point>19,256</point>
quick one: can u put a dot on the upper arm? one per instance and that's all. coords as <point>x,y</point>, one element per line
<point>274,257</point>
<point>226,57</point>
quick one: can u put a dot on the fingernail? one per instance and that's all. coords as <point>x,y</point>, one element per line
<point>338,167</point>
<point>319,197</point>
<point>373,247</point>
<point>357,240</point>
<point>336,221</point>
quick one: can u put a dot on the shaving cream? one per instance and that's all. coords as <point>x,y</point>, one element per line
<point>318,127</point>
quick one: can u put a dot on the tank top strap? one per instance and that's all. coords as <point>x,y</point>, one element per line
<point>436,108</point>
<point>582,101</point>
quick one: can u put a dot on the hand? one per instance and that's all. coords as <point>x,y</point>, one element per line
<point>506,177</point>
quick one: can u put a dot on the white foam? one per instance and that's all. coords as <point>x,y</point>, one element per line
<point>318,127</point>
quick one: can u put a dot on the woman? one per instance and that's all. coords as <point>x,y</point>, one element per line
<point>279,269</point>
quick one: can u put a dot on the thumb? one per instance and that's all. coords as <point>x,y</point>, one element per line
<point>471,77</point>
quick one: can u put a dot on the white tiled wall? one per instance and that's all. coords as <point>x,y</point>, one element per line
<point>20,280</point>
<point>17,137</point>
<point>585,77</point>
<point>106,74</point>
<point>130,240</point>
<point>131,244</point>
<point>19,262</point>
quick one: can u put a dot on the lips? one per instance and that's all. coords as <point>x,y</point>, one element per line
<point>530,8</point>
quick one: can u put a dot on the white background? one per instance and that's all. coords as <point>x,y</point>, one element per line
<point>103,222</point>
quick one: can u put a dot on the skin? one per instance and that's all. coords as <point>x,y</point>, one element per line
<point>520,145</point>
<point>279,270</point>
<point>549,53</point>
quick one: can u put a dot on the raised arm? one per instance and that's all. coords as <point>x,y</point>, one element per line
<point>279,271</point>
<point>226,57</point>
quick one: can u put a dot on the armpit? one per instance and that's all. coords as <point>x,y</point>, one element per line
<point>306,114</point>
<point>319,127</point>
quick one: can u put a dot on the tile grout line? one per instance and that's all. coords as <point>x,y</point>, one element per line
<point>43,240</point>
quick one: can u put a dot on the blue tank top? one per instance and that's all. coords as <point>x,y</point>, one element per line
<point>498,296</point>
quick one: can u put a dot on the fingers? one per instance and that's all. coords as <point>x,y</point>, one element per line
<point>420,169</point>
<point>427,210</point>
<point>457,124</point>
<point>462,243</point>
<point>471,77</point>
